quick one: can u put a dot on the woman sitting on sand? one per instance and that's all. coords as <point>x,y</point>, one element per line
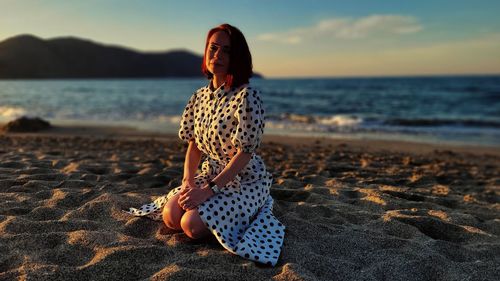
<point>225,121</point>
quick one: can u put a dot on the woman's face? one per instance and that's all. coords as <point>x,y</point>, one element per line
<point>218,50</point>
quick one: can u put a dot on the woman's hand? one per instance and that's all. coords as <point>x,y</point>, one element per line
<point>191,198</point>
<point>188,184</point>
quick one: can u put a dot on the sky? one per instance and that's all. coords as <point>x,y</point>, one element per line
<point>287,38</point>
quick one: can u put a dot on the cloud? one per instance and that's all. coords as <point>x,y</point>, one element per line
<point>348,28</point>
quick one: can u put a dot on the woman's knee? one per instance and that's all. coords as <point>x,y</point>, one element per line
<point>172,214</point>
<point>193,226</point>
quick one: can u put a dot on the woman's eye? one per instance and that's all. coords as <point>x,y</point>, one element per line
<point>213,48</point>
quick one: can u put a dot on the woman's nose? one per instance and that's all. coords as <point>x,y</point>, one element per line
<point>217,53</point>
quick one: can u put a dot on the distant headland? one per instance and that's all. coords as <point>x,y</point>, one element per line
<point>30,57</point>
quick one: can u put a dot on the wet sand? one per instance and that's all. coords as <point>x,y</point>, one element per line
<point>354,210</point>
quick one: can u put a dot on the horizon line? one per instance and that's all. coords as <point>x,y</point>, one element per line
<point>274,77</point>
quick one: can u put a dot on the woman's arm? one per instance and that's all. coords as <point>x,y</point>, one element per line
<point>190,198</point>
<point>191,163</point>
<point>237,163</point>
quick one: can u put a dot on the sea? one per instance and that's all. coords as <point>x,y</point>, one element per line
<point>456,110</point>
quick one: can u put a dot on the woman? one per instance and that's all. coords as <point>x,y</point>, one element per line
<point>225,121</point>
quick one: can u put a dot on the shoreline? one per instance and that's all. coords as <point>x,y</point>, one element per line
<point>371,145</point>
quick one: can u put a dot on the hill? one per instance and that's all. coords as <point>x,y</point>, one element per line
<point>29,57</point>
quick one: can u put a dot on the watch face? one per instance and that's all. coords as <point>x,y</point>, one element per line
<point>214,187</point>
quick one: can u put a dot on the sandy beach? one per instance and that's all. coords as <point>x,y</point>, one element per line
<point>354,210</point>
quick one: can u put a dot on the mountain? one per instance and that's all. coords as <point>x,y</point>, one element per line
<point>27,56</point>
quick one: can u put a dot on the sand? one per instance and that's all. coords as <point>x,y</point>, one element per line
<point>354,210</point>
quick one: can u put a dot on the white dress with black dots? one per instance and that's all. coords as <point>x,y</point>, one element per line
<point>240,216</point>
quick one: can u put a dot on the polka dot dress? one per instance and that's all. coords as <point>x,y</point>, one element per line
<point>240,217</point>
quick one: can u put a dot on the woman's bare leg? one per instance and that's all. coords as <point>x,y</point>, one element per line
<point>172,213</point>
<point>193,226</point>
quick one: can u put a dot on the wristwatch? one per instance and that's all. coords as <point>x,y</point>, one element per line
<point>213,186</point>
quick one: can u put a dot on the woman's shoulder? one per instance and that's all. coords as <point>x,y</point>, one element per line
<point>246,87</point>
<point>196,95</point>
<point>247,90</point>
<point>201,90</point>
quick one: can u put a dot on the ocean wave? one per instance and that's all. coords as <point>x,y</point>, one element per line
<point>340,120</point>
<point>443,122</point>
<point>174,119</point>
<point>329,120</point>
<point>12,112</point>
<point>310,123</point>
<point>340,123</point>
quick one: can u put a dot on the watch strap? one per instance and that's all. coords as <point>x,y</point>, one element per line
<point>213,186</point>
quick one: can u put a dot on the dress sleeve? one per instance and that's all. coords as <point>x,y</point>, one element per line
<point>250,117</point>
<point>186,130</point>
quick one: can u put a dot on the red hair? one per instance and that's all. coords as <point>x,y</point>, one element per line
<point>240,59</point>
